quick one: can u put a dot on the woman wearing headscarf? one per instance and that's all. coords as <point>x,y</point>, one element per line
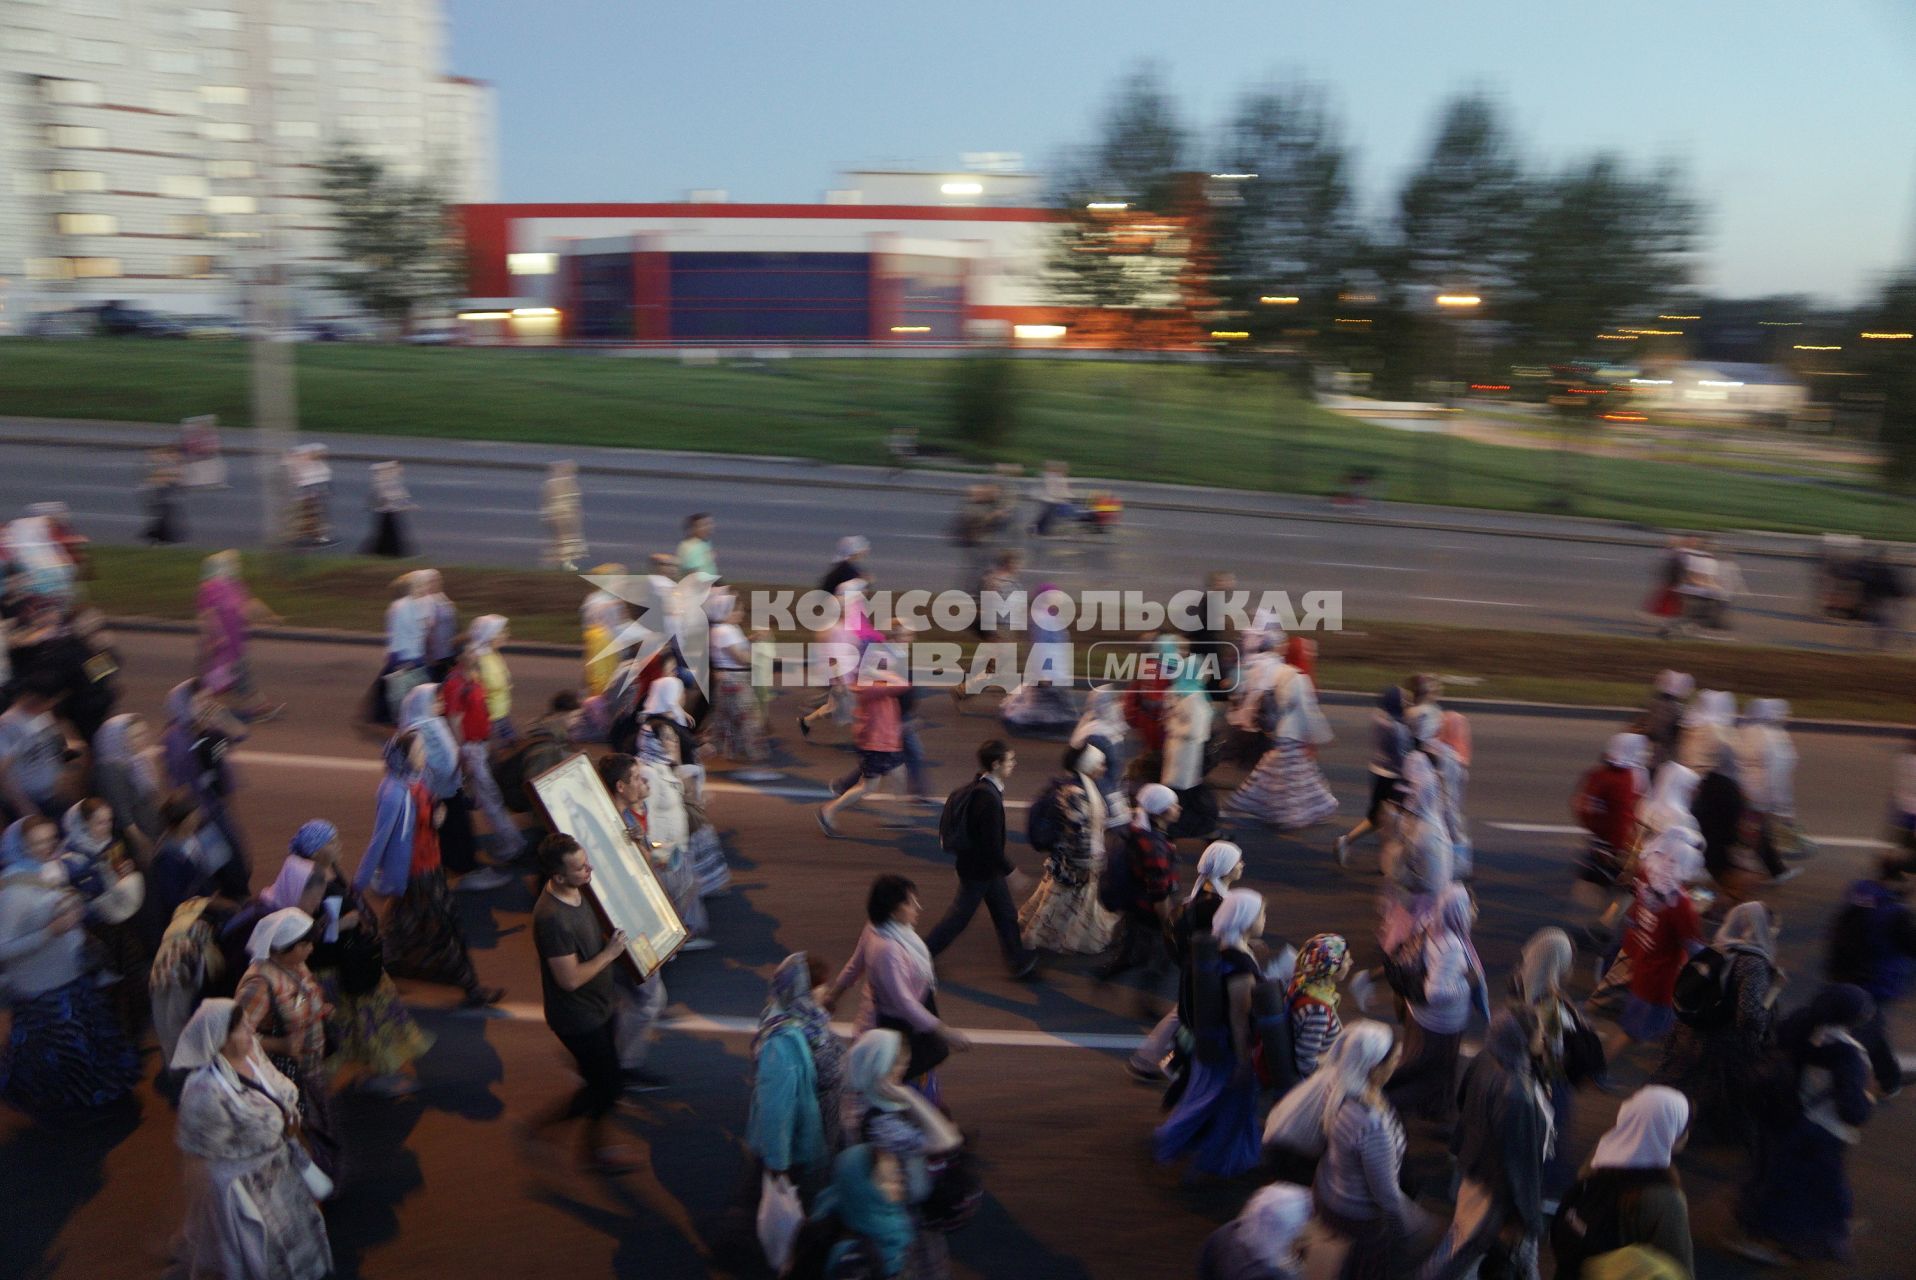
<point>1453,979</point>
<point>199,737</point>
<point>1630,1195</point>
<point>1102,726</point>
<point>1605,805</point>
<point>1217,1115</point>
<point>487,634</point>
<point>1312,1000</point>
<point>1708,729</point>
<point>1187,736</point>
<point>288,1010</point>
<point>227,610</point>
<point>1569,1051</point>
<point>668,742</point>
<point>1419,851</point>
<point>1663,930</point>
<point>900,985</point>
<point>1063,913</point>
<point>251,1213</point>
<point>1766,769</point>
<point>1713,1065</point>
<point>374,1038</point>
<point>1149,879</point>
<point>1800,1202</point>
<point>1503,1137</point>
<point>1286,788</point>
<point>1041,706</point>
<point>737,727</point>
<point>1219,867</point>
<point>1390,740</point>
<point>1261,1242</point>
<point>1662,720</point>
<point>125,777</point>
<point>904,1131</point>
<point>1364,1227</point>
<point>1720,811</point>
<point>100,869</point>
<point>1452,768</point>
<point>65,1052</point>
<point>422,935</point>
<point>798,1074</point>
<point>421,713</point>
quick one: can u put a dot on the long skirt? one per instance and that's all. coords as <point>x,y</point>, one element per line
<point>315,1109</point>
<point>1286,790</point>
<point>1217,1118</point>
<point>250,1218</point>
<point>388,537</point>
<point>1066,918</point>
<point>374,1033</point>
<point>707,856</point>
<point>66,1053</point>
<point>423,937</point>
<point>1801,1198</point>
<point>736,729</point>
<point>124,952</point>
<point>681,884</point>
<point>1425,1084</point>
<point>1041,709</point>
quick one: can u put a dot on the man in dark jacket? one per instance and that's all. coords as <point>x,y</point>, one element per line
<point>979,850</point>
<point>1872,944</point>
<point>1499,1148</point>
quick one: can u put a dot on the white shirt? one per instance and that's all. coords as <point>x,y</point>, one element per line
<point>406,629</point>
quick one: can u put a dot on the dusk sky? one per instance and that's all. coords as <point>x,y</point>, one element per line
<point>1796,119</point>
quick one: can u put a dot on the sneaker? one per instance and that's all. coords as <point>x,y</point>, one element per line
<point>1786,875</point>
<point>697,944</point>
<point>1026,972</point>
<point>482,880</point>
<point>1341,847</point>
<point>825,825</point>
<point>804,727</point>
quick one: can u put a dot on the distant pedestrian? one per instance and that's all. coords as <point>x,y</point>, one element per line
<point>1217,1114</point>
<point>203,467</point>
<point>165,523</point>
<point>311,480</point>
<point>1390,741</point>
<point>879,735</point>
<point>695,553</point>
<point>228,611</point>
<point>389,502</point>
<point>1141,884</point>
<point>562,509</point>
<point>977,842</point>
<point>848,566</point>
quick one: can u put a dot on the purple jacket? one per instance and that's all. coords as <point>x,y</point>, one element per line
<point>894,987</point>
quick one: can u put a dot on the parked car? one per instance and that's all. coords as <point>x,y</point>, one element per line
<point>118,321</point>
<point>80,322</point>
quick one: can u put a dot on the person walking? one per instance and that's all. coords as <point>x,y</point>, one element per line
<point>576,956</point>
<point>1390,740</point>
<point>1439,1007</point>
<point>1140,885</point>
<point>389,502</point>
<point>904,1132</point>
<point>1569,1051</point>
<point>1261,1242</point>
<point>562,510</point>
<point>878,733</point>
<point>287,1010</point>
<point>695,552</point>
<point>798,1076</point>
<point>1605,805</point>
<point>1630,1195</point>
<point>1713,1058</point>
<point>165,525</point>
<point>1285,788</point>
<point>900,984</point>
<point>252,1211</point>
<point>228,611</point>
<point>1217,1113</point>
<point>625,781</point>
<point>1663,931</point>
<point>1219,868</point>
<point>977,842</point>
<point>1872,944</point>
<point>1063,913</point>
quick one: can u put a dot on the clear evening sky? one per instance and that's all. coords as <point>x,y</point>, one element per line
<point>1796,119</point>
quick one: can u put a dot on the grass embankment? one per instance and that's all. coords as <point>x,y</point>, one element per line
<point>352,594</point>
<point>1179,423</point>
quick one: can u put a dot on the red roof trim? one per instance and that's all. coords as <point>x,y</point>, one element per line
<point>866,212</point>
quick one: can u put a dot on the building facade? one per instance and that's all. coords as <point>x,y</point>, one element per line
<point>159,152</point>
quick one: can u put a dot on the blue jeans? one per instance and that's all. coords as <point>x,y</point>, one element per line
<point>915,762</point>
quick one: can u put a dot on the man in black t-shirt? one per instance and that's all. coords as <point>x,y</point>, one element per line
<point>575,977</point>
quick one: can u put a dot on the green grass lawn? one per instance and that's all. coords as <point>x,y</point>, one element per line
<point>1178,423</point>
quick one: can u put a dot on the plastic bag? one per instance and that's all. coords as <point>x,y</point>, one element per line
<point>1297,1121</point>
<point>780,1215</point>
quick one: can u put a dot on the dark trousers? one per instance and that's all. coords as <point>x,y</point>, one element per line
<point>1883,1063</point>
<point>597,1053</point>
<point>1140,944</point>
<point>996,897</point>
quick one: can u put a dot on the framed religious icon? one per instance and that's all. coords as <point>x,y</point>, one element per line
<point>623,882</point>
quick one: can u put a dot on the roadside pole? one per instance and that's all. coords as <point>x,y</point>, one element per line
<point>274,399</point>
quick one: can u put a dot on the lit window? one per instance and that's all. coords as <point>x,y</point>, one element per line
<point>186,186</point>
<point>293,35</point>
<point>196,267</point>
<point>100,51</point>
<point>174,62</point>
<point>532,264</point>
<point>294,66</point>
<point>297,129</point>
<point>49,269</point>
<point>74,93</point>
<point>226,131</point>
<point>230,168</point>
<point>75,135</point>
<point>186,225</point>
<point>76,180</point>
<point>87,224</point>
<point>231,95</point>
<point>21,40</point>
<point>231,204</point>
<point>213,19</point>
<point>96,268</point>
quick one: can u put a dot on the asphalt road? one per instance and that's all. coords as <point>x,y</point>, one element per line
<point>473,514</point>
<point>439,1188</point>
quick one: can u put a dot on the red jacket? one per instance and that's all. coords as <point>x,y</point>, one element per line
<point>1606,805</point>
<point>1658,943</point>
<point>465,700</point>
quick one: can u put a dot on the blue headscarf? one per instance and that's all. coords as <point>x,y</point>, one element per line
<point>1391,702</point>
<point>311,838</point>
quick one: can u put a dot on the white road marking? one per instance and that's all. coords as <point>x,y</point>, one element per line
<point>1564,829</point>
<point>1345,564</point>
<point>1495,604</point>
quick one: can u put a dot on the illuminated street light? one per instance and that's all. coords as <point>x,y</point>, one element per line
<point>1889,337</point>
<point>1279,300</point>
<point>1801,346</point>
<point>1458,300</point>
<point>1108,206</point>
<point>1233,177</point>
<point>1230,334</point>
<point>963,188</point>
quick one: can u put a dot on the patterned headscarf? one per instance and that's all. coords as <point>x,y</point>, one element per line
<point>1318,965</point>
<point>789,1003</point>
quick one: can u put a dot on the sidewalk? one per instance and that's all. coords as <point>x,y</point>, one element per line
<point>945,483</point>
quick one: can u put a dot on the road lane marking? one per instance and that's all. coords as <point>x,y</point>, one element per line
<point>1564,829</point>
<point>1345,564</point>
<point>1495,604</point>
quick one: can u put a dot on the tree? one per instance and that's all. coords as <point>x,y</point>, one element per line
<point>1891,365</point>
<point>1128,253</point>
<point>398,249</point>
<point>1287,231</point>
<point>1600,246</point>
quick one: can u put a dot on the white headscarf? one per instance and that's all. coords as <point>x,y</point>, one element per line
<point>1236,916</point>
<point>1672,859</point>
<point>1748,929</point>
<point>278,931</point>
<point>1647,1127</point>
<point>1675,684</point>
<point>205,1034</point>
<point>1103,715</point>
<point>1626,750</point>
<point>1153,798</point>
<point>1271,1221</point>
<point>486,629</point>
<point>1770,711</point>
<point>868,1069</point>
<point>1358,1052</point>
<point>1219,859</point>
<point>1715,708</point>
<point>1089,758</point>
<point>662,698</point>
<point>852,546</point>
<point>1671,794</point>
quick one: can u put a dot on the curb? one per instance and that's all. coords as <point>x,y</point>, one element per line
<point>946,483</point>
<point>1334,697</point>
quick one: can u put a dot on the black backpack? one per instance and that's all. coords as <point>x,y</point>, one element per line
<point>1275,1053</point>
<point>1586,1224</point>
<point>953,831</point>
<point>1115,883</point>
<point>1044,823</point>
<point>1703,999</point>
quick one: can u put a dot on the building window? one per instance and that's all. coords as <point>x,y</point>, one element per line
<point>75,135</point>
<point>226,131</point>
<point>230,168</point>
<point>359,124</point>
<point>174,62</point>
<point>49,269</point>
<point>357,67</point>
<point>72,93</point>
<point>196,267</point>
<point>93,8</point>
<point>98,51</point>
<point>176,102</point>
<point>95,268</point>
<point>532,264</point>
<point>76,180</point>
<point>185,186</point>
<point>355,37</point>
<point>24,41</point>
<point>213,19</point>
<point>231,204</point>
<point>294,66</point>
<point>229,95</point>
<point>87,224</point>
<point>186,225</point>
<point>293,35</point>
<point>297,129</point>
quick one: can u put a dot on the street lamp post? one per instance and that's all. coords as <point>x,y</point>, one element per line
<point>1462,303</point>
<point>274,402</point>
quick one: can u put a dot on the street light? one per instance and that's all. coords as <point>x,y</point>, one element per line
<point>1458,300</point>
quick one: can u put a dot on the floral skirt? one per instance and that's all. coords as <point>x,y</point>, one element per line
<point>737,727</point>
<point>65,1053</point>
<point>1286,790</point>
<point>707,856</point>
<point>1066,918</point>
<point>374,1033</point>
<point>423,936</point>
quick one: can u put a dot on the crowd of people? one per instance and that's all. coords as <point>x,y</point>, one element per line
<point>128,910</point>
